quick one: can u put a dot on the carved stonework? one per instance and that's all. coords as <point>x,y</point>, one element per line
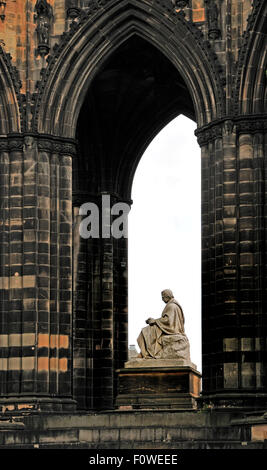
<point>43,18</point>
<point>73,11</point>
<point>83,17</point>
<point>180,3</point>
<point>60,147</point>
<point>16,81</point>
<point>256,11</point>
<point>212,15</point>
<point>209,133</point>
<point>240,125</point>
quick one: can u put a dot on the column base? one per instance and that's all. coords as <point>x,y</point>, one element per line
<point>36,404</point>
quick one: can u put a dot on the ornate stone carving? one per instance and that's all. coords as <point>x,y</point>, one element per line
<point>58,146</point>
<point>29,144</point>
<point>15,143</point>
<point>256,11</point>
<point>15,78</point>
<point>212,15</point>
<point>73,11</point>
<point>100,5</point>
<point>228,127</point>
<point>4,144</point>
<point>180,3</point>
<point>209,133</point>
<point>251,124</point>
<point>241,125</point>
<point>43,18</point>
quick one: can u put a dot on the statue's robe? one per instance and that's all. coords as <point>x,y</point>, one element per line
<point>170,323</point>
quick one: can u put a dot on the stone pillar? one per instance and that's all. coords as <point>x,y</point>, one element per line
<point>234,264</point>
<point>100,308</point>
<point>86,312</point>
<point>36,307</point>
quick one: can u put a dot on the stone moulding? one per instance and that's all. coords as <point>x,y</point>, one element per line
<point>140,362</point>
<point>98,8</point>
<point>244,51</point>
<point>45,143</point>
<point>242,124</point>
<point>14,77</point>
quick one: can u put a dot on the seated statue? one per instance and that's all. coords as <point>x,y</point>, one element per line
<point>165,337</point>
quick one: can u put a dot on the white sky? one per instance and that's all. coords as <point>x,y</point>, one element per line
<point>165,231</point>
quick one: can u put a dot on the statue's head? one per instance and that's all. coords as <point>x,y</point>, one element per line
<point>167,295</point>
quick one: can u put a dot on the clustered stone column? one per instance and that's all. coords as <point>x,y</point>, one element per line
<point>36,278</point>
<point>234,262</point>
<point>100,333</point>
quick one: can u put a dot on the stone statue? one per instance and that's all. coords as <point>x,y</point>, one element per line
<point>165,338</point>
<point>43,18</point>
<point>43,30</point>
<point>212,13</point>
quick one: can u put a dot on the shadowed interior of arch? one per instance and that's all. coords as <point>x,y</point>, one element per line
<point>133,96</point>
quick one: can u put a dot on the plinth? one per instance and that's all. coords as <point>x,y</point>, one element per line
<point>158,384</point>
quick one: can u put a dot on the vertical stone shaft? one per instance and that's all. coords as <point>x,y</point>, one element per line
<point>43,272</point>
<point>120,302</point>
<point>260,259</point>
<point>4,254</point>
<point>229,307</point>
<point>30,314</point>
<point>205,262</point>
<point>36,317</point>
<point>216,313</point>
<point>234,266</point>
<point>17,333</point>
<point>65,271</point>
<point>54,268</point>
<point>107,326</point>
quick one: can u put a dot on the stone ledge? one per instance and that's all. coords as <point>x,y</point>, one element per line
<point>161,363</point>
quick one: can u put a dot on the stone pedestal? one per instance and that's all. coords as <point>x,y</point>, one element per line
<point>158,384</point>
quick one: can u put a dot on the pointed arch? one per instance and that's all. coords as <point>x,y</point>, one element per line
<point>73,68</point>
<point>9,106</point>
<point>253,64</point>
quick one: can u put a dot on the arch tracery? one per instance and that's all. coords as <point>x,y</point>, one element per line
<point>10,120</point>
<point>250,89</point>
<point>94,40</point>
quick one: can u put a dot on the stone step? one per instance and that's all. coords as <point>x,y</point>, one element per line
<point>117,436</point>
<point>116,430</point>
<point>178,445</point>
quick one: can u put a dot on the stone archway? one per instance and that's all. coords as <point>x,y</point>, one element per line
<point>74,65</point>
<point>39,367</point>
<point>133,95</point>
<point>65,87</point>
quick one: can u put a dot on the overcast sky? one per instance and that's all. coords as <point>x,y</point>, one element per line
<point>165,231</point>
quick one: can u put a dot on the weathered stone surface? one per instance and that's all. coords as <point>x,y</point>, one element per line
<point>153,386</point>
<point>107,95</point>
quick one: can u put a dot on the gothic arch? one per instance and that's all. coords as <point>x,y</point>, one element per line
<point>84,50</point>
<point>253,64</point>
<point>9,90</point>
